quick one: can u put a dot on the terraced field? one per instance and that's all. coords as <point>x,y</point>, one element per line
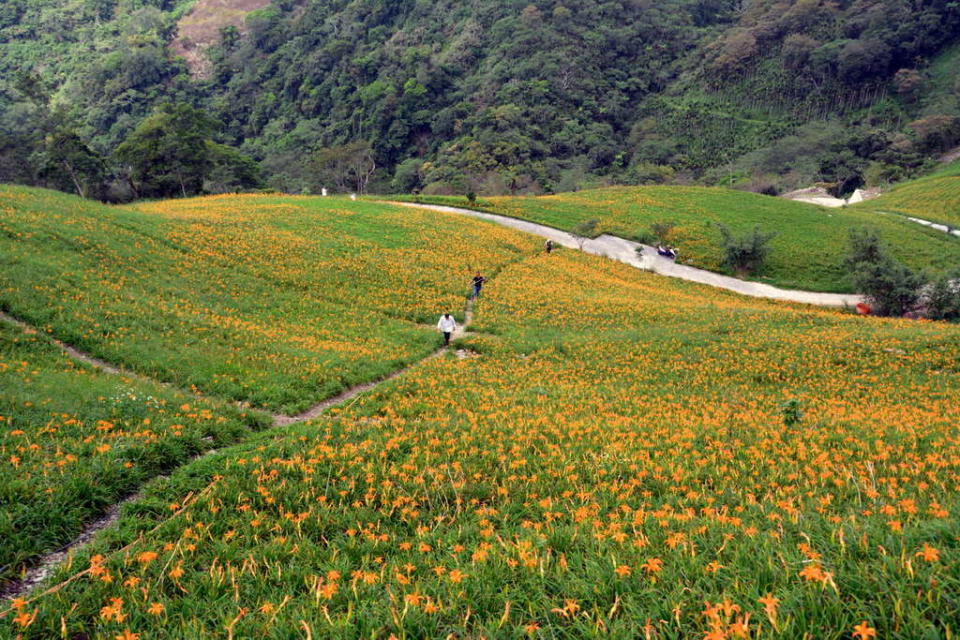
<point>807,253</point>
<point>611,454</point>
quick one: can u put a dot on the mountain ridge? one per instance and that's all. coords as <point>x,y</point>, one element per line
<point>515,97</point>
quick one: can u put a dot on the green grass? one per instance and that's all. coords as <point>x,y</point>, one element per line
<point>807,253</point>
<point>935,197</point>
<point>613,419</point>
<point>279,301</point>
<point>74,441</point>
<point>623,450</point>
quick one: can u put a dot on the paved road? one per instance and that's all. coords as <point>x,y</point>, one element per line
<point>626,251</point>
<point>935,225</point>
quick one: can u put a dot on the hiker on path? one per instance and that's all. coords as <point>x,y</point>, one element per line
<point>548,246</point>
<point>447,326</point>
<point>478,281</point>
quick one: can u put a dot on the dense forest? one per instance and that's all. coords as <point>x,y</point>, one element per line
<point>98,97</point>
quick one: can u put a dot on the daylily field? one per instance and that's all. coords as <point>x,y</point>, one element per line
<point>612,454</point>
<point>807,252</point>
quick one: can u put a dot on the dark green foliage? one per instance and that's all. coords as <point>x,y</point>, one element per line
<point>746,254</point>
<point>509,98</point>
<point>346,168</point>
<point>791,412</point>
<point>408,177</point>
<point>68,162</point>
<point>167,155</point>
<point>662,230</point>
<point>891,288</point>
<point>941,298</point>
<point>230,170</point>
<point>865,248</point>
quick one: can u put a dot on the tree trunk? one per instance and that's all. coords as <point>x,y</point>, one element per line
<point>76,182</point>
<point>133,186</point>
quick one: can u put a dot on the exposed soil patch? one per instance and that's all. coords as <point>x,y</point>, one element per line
<point>200,29</point>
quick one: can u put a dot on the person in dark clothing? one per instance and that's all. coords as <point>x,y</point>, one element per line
<point>478,281</point>
<point>549,246</point>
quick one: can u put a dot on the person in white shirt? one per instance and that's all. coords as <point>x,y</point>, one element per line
<point>447,325</point>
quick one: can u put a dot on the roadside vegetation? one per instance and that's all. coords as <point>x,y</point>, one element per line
<point>807,252</point>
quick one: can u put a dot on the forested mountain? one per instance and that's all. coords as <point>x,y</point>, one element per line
<point>487,96</point>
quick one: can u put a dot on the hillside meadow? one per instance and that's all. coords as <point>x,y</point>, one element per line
<point>272,300</point>
<point>617,455</point>
<point>807,253</point>
<point>935,197</point>
<point>73,442</point>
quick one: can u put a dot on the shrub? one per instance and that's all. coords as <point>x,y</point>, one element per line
<point>747,253</point>
<point>936,133</point>
<point>891,288</point>
<point>941,298</point>
<point>791,412</point>
<point>662,230</point>
<point>651,173</point>
<point>864,247</point>
<point>584,230</point>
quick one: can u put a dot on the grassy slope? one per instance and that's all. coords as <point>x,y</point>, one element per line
<point>935,197</point>
<point>275,300</point>
<point>616,455</point>
<point>940,95</point>
<point>73,442</point>
<point>806,254</point>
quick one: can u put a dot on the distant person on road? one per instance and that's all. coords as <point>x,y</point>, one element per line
<point>478,281</point>
<point>447,326</point>
<point>548,246</point>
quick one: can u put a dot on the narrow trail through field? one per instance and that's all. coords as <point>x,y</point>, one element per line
<point>279,419</point>
<point>70,351</point>
<point>317,410</point>
<point>48,563</point>
<point>625,251</point>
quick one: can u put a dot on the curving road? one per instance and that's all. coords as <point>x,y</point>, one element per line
<point>626,251</point>
<point>935,225</point>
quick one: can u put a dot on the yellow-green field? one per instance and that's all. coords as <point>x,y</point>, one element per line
<point>278,301</point>
<point>612,455</point>
<point>807,253</point>
<point>74,442</point>
<point>935,197</point>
